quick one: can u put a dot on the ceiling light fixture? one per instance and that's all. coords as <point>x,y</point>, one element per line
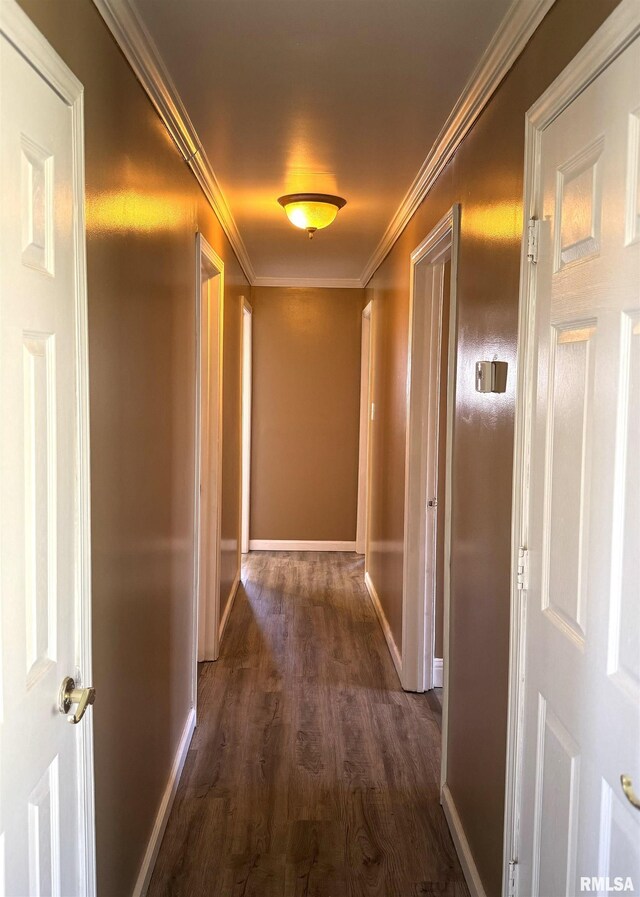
<point>311,211</point>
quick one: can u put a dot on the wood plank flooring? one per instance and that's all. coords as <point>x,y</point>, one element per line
<point>311,773</point>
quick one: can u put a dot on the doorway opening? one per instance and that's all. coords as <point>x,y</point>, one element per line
<point>430,404</point>
<point>362,525</point>
<point>208,465</point>
<point>245,514</point>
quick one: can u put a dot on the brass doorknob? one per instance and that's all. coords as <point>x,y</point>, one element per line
<point>629,793</point>
<point>69,695</point>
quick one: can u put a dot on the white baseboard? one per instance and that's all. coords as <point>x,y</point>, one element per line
<point>377,606</point>
<point>438,672</point>
<point>298,545</point>
<point>471,874</point>
<point>227,610</point>
<point>160,824</point>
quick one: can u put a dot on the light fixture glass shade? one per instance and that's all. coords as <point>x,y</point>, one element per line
<point>311,211</point>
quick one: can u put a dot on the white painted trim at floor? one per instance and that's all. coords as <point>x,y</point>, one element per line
<point>438,672</point>
<point>351,283</point>
<point>386,629</point>
<point>471,874</point>
<point>512,36</point>
<point>160,824</point>
<point>229,605</point>
<point>298,545</point>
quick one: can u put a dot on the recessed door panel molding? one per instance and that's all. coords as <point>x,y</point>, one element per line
<point>618,854</point>
<point>624,622</point>
<point>40,503</point>
<point>556,798</point>
<point>37,206</point>
<point>566,511</point>
<point>633,179</point>
<point>579,206</point>
<point>44,835</point>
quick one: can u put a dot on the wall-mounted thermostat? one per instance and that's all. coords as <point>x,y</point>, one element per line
<point>491,376</point>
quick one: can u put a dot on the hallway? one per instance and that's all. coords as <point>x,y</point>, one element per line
<point>311,772</point>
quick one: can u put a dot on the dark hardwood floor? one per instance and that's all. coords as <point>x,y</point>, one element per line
<point>311,773</point>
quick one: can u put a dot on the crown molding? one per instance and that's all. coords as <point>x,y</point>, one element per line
<point>351,283</point>
<point>143,56</point>
<point>517,27</point>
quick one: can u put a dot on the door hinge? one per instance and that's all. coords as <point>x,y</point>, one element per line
<point>513,877</point>
<point>523,568</point>
<point>533,234</point>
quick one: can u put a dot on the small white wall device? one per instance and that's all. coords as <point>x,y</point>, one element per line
<point>491,376</point>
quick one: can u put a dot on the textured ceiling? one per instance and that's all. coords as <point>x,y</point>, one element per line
<point>335,96</point>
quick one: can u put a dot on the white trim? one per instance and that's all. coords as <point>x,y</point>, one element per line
<point>421,449</point>
<point>20,31</point>
<point>611,39</point>
<point>384,624</point>
<point>229,605</point>
<point>245,448</point>
<point>210,267</point>
<point>143,56</point>
<point>515,30</point>
<point>364,431</point>
<point>437,675</point>
<point>299,545</point>
<point>25,37</point>
<point>469,868</point>
<point>162,816</point>
<point>348,283</point>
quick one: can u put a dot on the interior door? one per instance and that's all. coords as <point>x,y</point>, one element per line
<point>46,810</point>
<point>582,683</point>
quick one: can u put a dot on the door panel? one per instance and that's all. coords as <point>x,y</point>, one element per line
<point>581,716</point>
<point>45,815</point>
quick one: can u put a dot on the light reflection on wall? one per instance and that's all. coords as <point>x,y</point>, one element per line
<point>499,220</point>
<point>130,210</point>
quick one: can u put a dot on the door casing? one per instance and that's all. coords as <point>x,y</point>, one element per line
<point>425,322</point>
<point>362,525</point>
<point>208,454</point>
<point>245,498</point>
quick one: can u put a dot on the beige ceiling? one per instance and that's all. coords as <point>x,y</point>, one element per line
<point>335,96</point>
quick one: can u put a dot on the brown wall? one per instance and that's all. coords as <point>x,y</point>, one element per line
<point>143,209</point>
<point>486,177</point>
<point>306,399</point>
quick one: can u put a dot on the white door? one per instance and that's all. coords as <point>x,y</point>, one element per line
<point>46,815</point>
<point>582,645</point>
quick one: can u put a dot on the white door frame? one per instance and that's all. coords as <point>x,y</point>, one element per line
<point>617,32</point>
<point>423,394</point>
<point>247,346</point>
<point>208,459</point>
<point>362,525</point>
<point>23,34</point>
